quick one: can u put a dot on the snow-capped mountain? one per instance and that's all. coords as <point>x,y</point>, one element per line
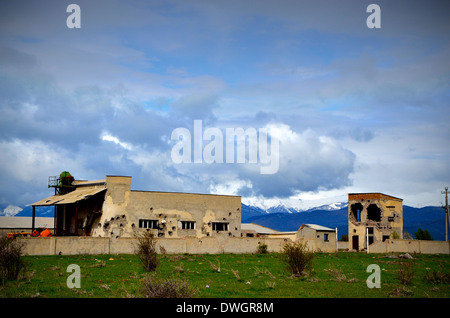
<point>296,205</point>
<point>10,210</point>
<point>330,207</point>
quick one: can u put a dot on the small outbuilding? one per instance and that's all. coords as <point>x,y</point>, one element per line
<point>256,230</point>
<point>319,238</point>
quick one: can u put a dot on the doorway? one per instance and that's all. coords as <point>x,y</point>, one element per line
<point>355,242</point>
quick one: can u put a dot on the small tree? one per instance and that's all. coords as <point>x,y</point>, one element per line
<point>406,272</point>
<point>423,235</point>
<point>146,251</point>
<point>297,257</point>
<point>11,262</point>
<point>262,248</point>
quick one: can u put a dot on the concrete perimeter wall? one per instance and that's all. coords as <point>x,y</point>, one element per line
<point>123,245</point>
<point>207,245</point>
<point>410,246</point>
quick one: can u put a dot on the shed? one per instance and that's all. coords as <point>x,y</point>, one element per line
<point>320,238</point>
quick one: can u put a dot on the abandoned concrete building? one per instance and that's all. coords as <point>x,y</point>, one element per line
<point>109,208</point>
<point>373,217</point>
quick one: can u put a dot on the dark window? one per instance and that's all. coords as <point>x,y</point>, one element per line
<point>220,226</point>
<point>325,237</point>
<point>373,213</point>
<point>148,224</point>
<point>187,225</point>
<point>356,211</point>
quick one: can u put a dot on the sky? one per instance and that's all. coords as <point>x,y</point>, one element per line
<point>355,109</point>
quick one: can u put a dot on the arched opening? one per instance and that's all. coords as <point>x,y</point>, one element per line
<point>373,213</point>
<point>356,211</point>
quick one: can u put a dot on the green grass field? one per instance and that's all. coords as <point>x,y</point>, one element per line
<point>232,276</point>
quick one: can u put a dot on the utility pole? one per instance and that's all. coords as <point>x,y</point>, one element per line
<point>446,212</point>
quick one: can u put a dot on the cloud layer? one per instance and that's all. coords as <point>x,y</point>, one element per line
<point>355,109</point>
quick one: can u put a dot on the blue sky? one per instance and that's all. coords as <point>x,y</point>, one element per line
<point>355,109</point>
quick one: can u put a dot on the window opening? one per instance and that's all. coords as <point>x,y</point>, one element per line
<point>220,226</point>
<point>148,224</point>
<point>356,211</point>
<point>373,213</point>
<point>187,225</point>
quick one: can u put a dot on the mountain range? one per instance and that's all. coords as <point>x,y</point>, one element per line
<point>334,216</point>
<point>283,217</point>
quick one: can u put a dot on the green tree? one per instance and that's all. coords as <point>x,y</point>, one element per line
<point>423,235</point>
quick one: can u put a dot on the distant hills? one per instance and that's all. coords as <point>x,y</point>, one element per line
<point>284,218</point>
<point>430,218</point>
<point>42,211</point>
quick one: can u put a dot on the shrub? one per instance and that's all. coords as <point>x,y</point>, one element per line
<point>155,287</point>
<point>406,272</point>
<point>297,257</point>
<point>262,248</point>
<point>146,251</point>
<point>441,276</point>
<point>423,235</point>
<point>11,262</point>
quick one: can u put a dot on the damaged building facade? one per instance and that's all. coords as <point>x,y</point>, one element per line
<point>373,217</point>
<point>109,208</point>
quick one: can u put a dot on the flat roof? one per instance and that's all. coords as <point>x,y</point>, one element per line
<point>88,182</point>
<point>167,192</point>
<point>262,229</point>
<point>373,195</point>
<point>318,227</point>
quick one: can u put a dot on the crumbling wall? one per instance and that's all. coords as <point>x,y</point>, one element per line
<point>166,214</point>
<point>373,217</point>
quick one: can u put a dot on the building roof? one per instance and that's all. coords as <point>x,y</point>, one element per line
<point>317,227</point>
<point>258,228</point>
<point>80,183</point>
<point>24,222</point>
<point>261,229</point>
<point>71,197</point>
<point>371,196</point>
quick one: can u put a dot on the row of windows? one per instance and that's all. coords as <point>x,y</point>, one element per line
<point>184,225</point>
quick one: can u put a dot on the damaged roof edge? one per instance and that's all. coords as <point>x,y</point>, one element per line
<point>369,194</point>
<point>71,197</point>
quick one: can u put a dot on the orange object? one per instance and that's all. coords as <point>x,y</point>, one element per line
<point>45,233</point>
<point>42,232</point>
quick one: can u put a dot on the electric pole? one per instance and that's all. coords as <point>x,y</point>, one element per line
<point>446,211</point>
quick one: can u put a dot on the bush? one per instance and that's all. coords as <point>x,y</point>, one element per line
<point>441,276</point>
<point>406,272</point>
<point>297,257</point>
<point>11,262</point>
<point>262,248</point>
<point>423,235</point>
<point>154,287</point>
<point>146,251</point>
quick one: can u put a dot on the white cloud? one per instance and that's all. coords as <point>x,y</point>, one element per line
<point>108,137</point>
<point>230,187</point>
